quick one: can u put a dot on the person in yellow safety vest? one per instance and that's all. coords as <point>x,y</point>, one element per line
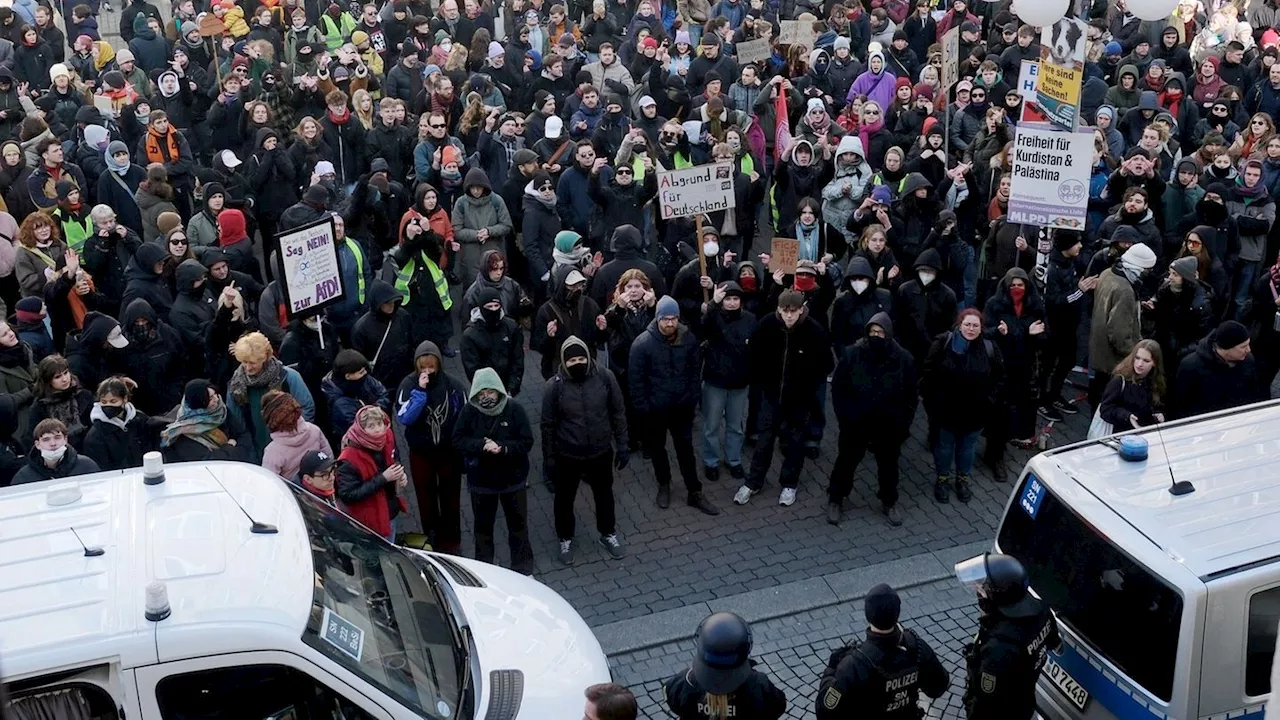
<point>357,274</point>
<point>72,216</point>
<point>414,270</point>
<point>337,25</point>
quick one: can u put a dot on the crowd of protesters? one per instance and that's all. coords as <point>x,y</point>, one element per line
<point>494,167</point>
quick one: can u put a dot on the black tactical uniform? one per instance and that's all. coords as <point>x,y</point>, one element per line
<point>755,699</point>
<point>1015,633</point>
<point>880,677</point>
<point>722,672</point>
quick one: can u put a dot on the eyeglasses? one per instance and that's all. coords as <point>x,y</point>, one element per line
<point>870,112</point>
<point>977,96</point>
<point>436,126</point>
<point>622,171</point>
<point>1194,243</point>
<point>1259,122</point>
<point>178,241</point>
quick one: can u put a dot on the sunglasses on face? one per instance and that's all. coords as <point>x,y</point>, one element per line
<point>870,112</point>
<point>434,126</point>
<point>622,171</point>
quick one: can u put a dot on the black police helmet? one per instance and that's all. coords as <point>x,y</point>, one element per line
<point>1007,584</point>
<point>723,646</point>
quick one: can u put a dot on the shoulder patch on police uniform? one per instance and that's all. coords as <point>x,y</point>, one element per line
<point>988,683</point>
<point>831,699</point>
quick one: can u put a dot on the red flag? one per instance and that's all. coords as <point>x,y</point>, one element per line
<point>782,125</point>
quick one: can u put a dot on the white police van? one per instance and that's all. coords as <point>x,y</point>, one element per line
<point>1168,603</point>
<point>222,591</point>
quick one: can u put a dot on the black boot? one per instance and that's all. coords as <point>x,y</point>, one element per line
<point>963,493</point>
<point>942,488</point>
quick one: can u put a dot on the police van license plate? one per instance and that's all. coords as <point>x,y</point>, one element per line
<point>1066,685</point>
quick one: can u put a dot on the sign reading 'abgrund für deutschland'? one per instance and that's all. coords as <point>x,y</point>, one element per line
<point>695,191</point>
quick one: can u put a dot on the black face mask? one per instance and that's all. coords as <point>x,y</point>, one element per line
<point>577,372</point>
<point>488,403</point>
<point>491,317</point>
<point>1211,211</point>
<point>141,333</point>
<point>572,294</point>
<point>112,411</point>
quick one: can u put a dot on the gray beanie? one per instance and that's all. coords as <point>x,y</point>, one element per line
<point>1186,267</point>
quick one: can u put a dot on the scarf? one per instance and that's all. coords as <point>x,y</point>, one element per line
<point>809,242</point>
<point>820,126</point>
<point>76,303</point>
<point>865,130</point>
<point>357,437</point>
<point>271,378</point>
<point>1250,193</point>
<point>573,258</point>
<point>959,345</point>
<point>1155,86</point>
<point>204,426</point>
<point>1171,100</point>
<point>339,119</point>
<point>997,209</point>
<point>161,148</point>
<point>15,357</point>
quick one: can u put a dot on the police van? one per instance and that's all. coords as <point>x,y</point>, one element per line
<point>1162,565</point>
<point>217,590</point>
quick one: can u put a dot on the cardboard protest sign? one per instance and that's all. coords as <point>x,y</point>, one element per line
<point>312,277</point>
<point>696,190</point>
<point>753,51</point>
<point>784,254</point>
<point>1062,49</point>
<point>796,32</point>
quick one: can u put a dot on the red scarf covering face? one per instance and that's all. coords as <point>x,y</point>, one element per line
<point>1171,100</point>
<point>1018,295</point>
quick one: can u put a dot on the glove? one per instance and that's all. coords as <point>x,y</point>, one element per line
<point>621,460</point>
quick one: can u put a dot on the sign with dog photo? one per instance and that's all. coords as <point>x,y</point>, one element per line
<point>1062,50</point>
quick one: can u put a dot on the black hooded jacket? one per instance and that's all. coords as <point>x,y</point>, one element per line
<point>272,175</point>
<point>874,385</point>
<point>143,283</point>
<point>573,316</point>
<point>1206,383</point>
<point>1018,345</point>
<point>90,358</point>
<point>494,341</point>
<point>156,359</point>
<point>627,252</point>
<point>924,311</point>
<point>193,307</point>
<point>852,310</point>
<point>107,259</point>
<point>385,341</point>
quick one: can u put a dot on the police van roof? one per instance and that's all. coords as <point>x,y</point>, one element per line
<point>1232,519</point>
<point>229,589</point>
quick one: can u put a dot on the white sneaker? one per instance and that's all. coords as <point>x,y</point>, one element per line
<point>743,496</point>
<point>788,497</point>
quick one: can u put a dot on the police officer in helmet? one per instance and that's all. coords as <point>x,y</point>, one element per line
<point>1015,632</point>
<point>721,682</point>
<point>882,675</point>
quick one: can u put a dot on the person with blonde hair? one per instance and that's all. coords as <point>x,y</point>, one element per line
<point>260,372</point>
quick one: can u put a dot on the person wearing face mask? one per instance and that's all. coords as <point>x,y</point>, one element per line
<point>157,359</point>
<point>874,392</point>
<point>790,359</point>
<point>384,334</point>
<point>689,282</point>
<point>119,434</point>
<point>1016,314</point>
<point>584,438</point>
<point>926,307</point>
<point>348,387</point>
<point>1117,325</point>
<point>428,403</point>
<point>862,299</point>
<point>51,456</point>
<point>568,312</point>
<point>493,340</point>
<point>494,437</point>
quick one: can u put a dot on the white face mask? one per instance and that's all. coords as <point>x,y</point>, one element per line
<point>54,456</point>
<point>860,286</point>
<point>711,248</point>
<point>927,277</point>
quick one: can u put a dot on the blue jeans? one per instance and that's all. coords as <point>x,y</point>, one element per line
<point>1246,274</point>
<point>961,448</point>
<point>729,406</point>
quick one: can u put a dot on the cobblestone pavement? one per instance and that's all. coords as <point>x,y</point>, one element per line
<point>679,556</point>
<point>793,650</point>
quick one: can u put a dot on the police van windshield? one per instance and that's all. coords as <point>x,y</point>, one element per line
<point>378,614</point>
<point>1115,605</point>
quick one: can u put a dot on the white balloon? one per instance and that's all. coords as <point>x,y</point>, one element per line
<point>1152,9</point>
<point>1041,13</point>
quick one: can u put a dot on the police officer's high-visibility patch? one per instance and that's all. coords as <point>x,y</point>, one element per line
<point>831,699</point>
<point>988,683</point>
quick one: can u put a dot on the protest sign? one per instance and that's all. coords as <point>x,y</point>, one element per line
<point>309,267</point>
<point>1061,73</point>
<point>1050,179</point>
<point>796,32</point>
<point>950,58</point>
<point>1027,79</point>
<point>753,51</point>
<point>784,254</point>
<point>696,190</point>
